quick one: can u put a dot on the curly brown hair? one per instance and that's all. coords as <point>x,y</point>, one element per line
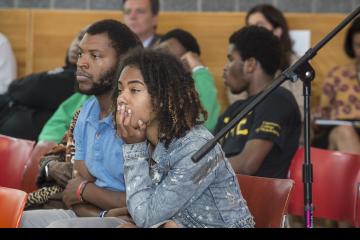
<point>172,91</point>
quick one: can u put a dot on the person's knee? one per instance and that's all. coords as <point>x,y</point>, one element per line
<point>343,133</point>
<point>24,222</point>
<point>60,224</point>
<point>42,218</point>
<point>30,219</point>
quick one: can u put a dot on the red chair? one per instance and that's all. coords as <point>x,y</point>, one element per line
<point>335,188</point>
<point>32,165</point>
<point>14,153</point>
<point>267,199</point>
<point>12,203</point>
<point>357,207</point>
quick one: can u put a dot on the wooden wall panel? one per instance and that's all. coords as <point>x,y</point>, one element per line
<point>54,30</point>
<point>15,24</point>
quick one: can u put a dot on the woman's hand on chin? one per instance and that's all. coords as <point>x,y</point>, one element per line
<point>125,130</point>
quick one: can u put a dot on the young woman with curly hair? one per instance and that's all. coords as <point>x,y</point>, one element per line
<point>158,116</point>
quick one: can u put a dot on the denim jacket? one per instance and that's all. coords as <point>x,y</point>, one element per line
<point>202,194</point>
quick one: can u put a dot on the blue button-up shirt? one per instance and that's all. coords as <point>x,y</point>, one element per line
<point>98,145</point>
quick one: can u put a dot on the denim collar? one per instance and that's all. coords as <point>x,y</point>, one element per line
<point>159,152</point>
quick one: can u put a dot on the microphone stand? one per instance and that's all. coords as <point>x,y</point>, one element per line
<point>303,70</point>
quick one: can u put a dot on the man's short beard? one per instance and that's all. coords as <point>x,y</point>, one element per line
<point>105,85</point>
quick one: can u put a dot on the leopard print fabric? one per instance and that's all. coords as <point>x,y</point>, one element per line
<point>64,151</point>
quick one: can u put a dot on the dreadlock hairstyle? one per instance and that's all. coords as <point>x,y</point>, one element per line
<point>172,92</point>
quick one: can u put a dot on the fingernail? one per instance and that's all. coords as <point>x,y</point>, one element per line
<point>129,111</point>
<point>118,107</point>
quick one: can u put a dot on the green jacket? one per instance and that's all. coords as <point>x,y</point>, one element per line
<point>205,86</point>
<point>56,127</point>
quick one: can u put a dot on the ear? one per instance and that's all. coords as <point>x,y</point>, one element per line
<point>155,21</point>
<point>250,65</point>
<point>278,32</point>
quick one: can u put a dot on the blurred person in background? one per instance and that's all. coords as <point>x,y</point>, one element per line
<point>8,65</point>
<point>30,101</point>
<point>340,98</point>
<point>141,16</point>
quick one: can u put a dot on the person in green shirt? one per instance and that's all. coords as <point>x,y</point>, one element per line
<point>183,45</point>
<point>56,127</point>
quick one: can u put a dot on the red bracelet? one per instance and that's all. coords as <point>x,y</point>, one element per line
<point>82,191</point>
<point>79,190</point>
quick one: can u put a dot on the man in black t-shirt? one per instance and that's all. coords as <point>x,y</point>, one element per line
<point>264,142</point>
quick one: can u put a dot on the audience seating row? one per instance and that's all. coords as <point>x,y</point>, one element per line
<point>336,185</point>
<point>335,190</point>
<point>19,168</point>
<point>20,162</point>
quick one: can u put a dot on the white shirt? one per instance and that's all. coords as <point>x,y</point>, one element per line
<point>147,41</point>
<point>7,64</point>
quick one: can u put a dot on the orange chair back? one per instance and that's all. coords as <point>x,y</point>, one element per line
<point>267,199</point>
<point>32,166</point>
<point>12,203</point>
<point>335,184</point>
<point>14,153</point>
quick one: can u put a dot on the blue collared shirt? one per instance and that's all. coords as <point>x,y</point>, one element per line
<point>98,145</point>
